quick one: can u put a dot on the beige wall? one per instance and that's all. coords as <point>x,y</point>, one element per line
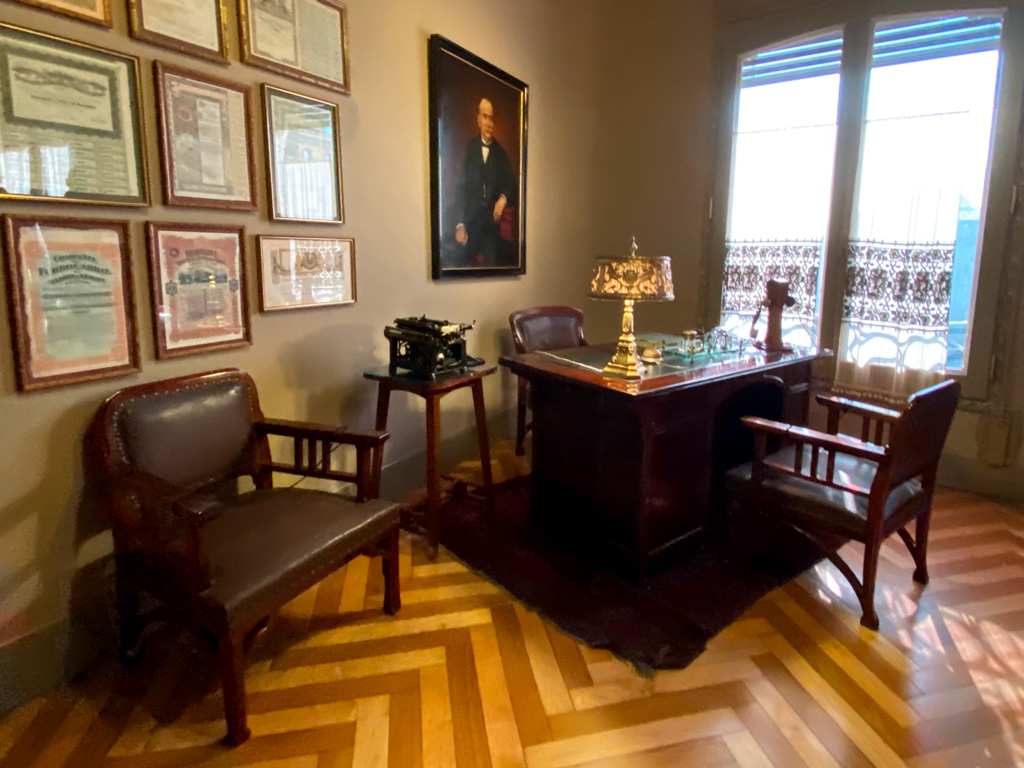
<point>593,154</point>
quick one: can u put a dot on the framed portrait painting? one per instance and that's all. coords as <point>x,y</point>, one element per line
<point>69,285</point>
<point>197,279</point>
<point>204,140</point>
<point>303,158</point>
<point>478,126</point>
<point>299,272</point>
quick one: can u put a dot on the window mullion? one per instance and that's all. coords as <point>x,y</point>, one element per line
<point>855,68</point>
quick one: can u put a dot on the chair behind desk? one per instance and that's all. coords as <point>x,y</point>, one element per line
<point>541,328</point>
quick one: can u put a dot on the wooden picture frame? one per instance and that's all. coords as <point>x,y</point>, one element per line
<point>195,27</point>
<point>303,158</point>
<point>70,300</point>
<point>198,288</point>
<point>303,272</point>
<point>83,105</point>
<point>198,172</point>
<point>477,166</point>
<point>303,39</point>
<point>92,11</point>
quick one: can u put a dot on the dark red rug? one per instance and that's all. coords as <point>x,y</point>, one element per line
<point>663,623</point>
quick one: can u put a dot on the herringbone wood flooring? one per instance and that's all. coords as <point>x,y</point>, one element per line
<point>465,676</point>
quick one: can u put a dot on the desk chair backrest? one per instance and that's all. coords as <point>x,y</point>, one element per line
<point>539,328</point>
<point>916,441</point>
<point>191,431</point>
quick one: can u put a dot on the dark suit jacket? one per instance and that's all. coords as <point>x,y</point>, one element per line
<point>483,183</point>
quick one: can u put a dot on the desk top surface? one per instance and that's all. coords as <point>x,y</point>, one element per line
<point>583,365</point>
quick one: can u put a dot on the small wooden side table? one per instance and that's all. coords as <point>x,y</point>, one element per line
<point>432,391</point>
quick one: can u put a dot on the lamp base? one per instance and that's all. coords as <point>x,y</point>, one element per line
<point>625,361</point>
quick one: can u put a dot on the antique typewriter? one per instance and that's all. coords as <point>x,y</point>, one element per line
<point>426,347</point>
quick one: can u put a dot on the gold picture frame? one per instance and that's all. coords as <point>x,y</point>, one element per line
<point>303,272</point>
<point>82,105</point>
<point>180,25</point>
<point>92,11</point>
<point>303,158</point>
<point>191,108</point>
<point>71,301</point>
<point>311,46</point>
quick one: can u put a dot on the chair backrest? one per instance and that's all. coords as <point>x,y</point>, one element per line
<point>540,328</point>
<point>916,441</point>
<point>191,431</point>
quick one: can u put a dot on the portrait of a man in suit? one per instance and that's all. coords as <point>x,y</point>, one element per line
<point>478,132</point>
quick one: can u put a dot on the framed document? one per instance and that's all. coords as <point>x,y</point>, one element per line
<point>305,39</point>
<point>297,272</point>
<point>95,11</point>
<point>190,26</point>
<point>303,157</point>
<point>69,286</point>
<point>204,140</point>
<point>197,277</point>
<point>69,121</point>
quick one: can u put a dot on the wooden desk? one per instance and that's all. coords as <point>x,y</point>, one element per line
<point>637,461</point>
<point>432,390</point>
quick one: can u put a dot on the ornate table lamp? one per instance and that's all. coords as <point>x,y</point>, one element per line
<point>630,278</point>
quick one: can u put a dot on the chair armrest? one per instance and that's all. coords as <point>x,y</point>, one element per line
<point>845,405</point>
<point>839,443</point>
<point>307,430</point>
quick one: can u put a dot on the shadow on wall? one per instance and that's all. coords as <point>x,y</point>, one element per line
<point>55,603</point>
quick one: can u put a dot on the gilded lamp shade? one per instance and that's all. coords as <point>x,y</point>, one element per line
<point>640,278</point>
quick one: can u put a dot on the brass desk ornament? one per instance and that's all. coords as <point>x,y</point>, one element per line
<point>630,278</point>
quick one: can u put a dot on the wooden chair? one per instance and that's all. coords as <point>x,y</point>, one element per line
<point>541,328</point>
<point>168,455</point>
<point>830,484</point>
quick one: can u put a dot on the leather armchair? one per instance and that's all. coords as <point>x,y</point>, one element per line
<point>169,455</point>
<point>831,485</point>
<point>541,328</point>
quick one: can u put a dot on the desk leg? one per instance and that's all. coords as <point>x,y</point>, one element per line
<point>433,476</point>
<point>383,401</point>
<point>484,443</point>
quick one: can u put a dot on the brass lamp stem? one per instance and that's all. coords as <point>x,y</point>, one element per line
<point>625,362</point>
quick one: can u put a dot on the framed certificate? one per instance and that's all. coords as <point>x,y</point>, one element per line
<point>95,11</point>
<point>69,121</point>
<point>69,286</point>
<point>190,26</point>
<point>304,157</point>
<point>197,278</point>
<point>297,272</point>
<point>204,140</point>
<point>305,39</point>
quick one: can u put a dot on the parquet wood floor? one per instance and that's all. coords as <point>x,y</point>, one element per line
<point>465,676</point>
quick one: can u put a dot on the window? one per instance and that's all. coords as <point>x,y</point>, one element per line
<point>860,167</point>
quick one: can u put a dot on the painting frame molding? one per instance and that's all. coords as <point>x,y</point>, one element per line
<point>252,58</point>
<point>447,63</point>
<point>160,70</point>
<point>263,261</point>
<point>168,313</point>
<point>104,19</point>
<point>272,177</point>
<point>20,300</point>
<point>138,30</point>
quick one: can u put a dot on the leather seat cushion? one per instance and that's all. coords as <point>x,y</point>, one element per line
<point>820,506</point>
<point>267,546</point>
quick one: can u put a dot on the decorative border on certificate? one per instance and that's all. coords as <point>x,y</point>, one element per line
<point>196,27</point>
<point>197,280</point>
<point>69,122</point>
<point>204,140</point>
<point>302,272</point>
<point>69,288</point>
<point>93,11</point>
<point>303,157</point>
<point>304,39</point>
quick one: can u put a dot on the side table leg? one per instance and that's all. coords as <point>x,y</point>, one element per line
<point>484,443</point>
<point>433,476</point>
<point>383,401</point>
